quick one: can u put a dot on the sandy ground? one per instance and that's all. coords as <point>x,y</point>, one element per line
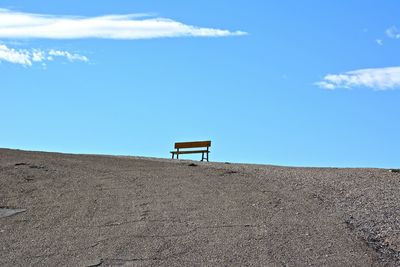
<point>86,210</point>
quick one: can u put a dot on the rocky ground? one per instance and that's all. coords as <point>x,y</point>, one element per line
<point>87,210</point>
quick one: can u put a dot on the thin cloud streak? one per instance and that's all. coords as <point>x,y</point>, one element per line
<point>27,58</point>
<point>18,25</point>
<point>379,79</point>
<point>68,55</point>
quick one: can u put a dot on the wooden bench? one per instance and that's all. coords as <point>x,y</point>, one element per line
<point>196,144</point>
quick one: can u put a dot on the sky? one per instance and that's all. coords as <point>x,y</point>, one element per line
<point>294,83</point>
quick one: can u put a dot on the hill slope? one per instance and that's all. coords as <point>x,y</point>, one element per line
<point>85,210</point>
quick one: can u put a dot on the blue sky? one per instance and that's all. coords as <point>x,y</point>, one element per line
<point>301,83</point>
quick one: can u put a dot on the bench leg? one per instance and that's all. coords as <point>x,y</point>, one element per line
<point>207,156</point>
<point>172,155</point>
<point>202,156</point>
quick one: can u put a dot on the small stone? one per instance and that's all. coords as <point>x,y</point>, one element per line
<point>6,212</point>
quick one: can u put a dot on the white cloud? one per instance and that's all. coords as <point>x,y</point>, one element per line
<point>135,26</point>
<point>379,42</point>
<point>15,56</point>
<point>38,55</point>
<point>376,79</point>
<point>28,57</point>
<point>393,32</point>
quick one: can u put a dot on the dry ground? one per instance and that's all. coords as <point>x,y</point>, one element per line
<point>86,210</point>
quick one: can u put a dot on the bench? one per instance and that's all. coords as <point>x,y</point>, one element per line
<point>196,144</point>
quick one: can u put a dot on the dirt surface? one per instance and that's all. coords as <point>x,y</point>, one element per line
<point>87,210</point>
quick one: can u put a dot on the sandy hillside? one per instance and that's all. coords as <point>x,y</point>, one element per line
<point>84,210</point>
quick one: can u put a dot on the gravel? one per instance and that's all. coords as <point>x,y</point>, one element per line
<point>91,210</point>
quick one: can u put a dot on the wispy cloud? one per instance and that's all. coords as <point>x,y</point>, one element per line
<point>14,56</point>
<point>68,55</point>
<point>379,42</point>
<point>27,58</point>
<point>134,26</point>
<point>393,32</point>
<point>375,79</point>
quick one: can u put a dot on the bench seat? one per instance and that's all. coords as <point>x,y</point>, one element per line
<point>189,151</point>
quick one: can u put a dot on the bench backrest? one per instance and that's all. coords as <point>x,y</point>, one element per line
<point>193,144</point>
